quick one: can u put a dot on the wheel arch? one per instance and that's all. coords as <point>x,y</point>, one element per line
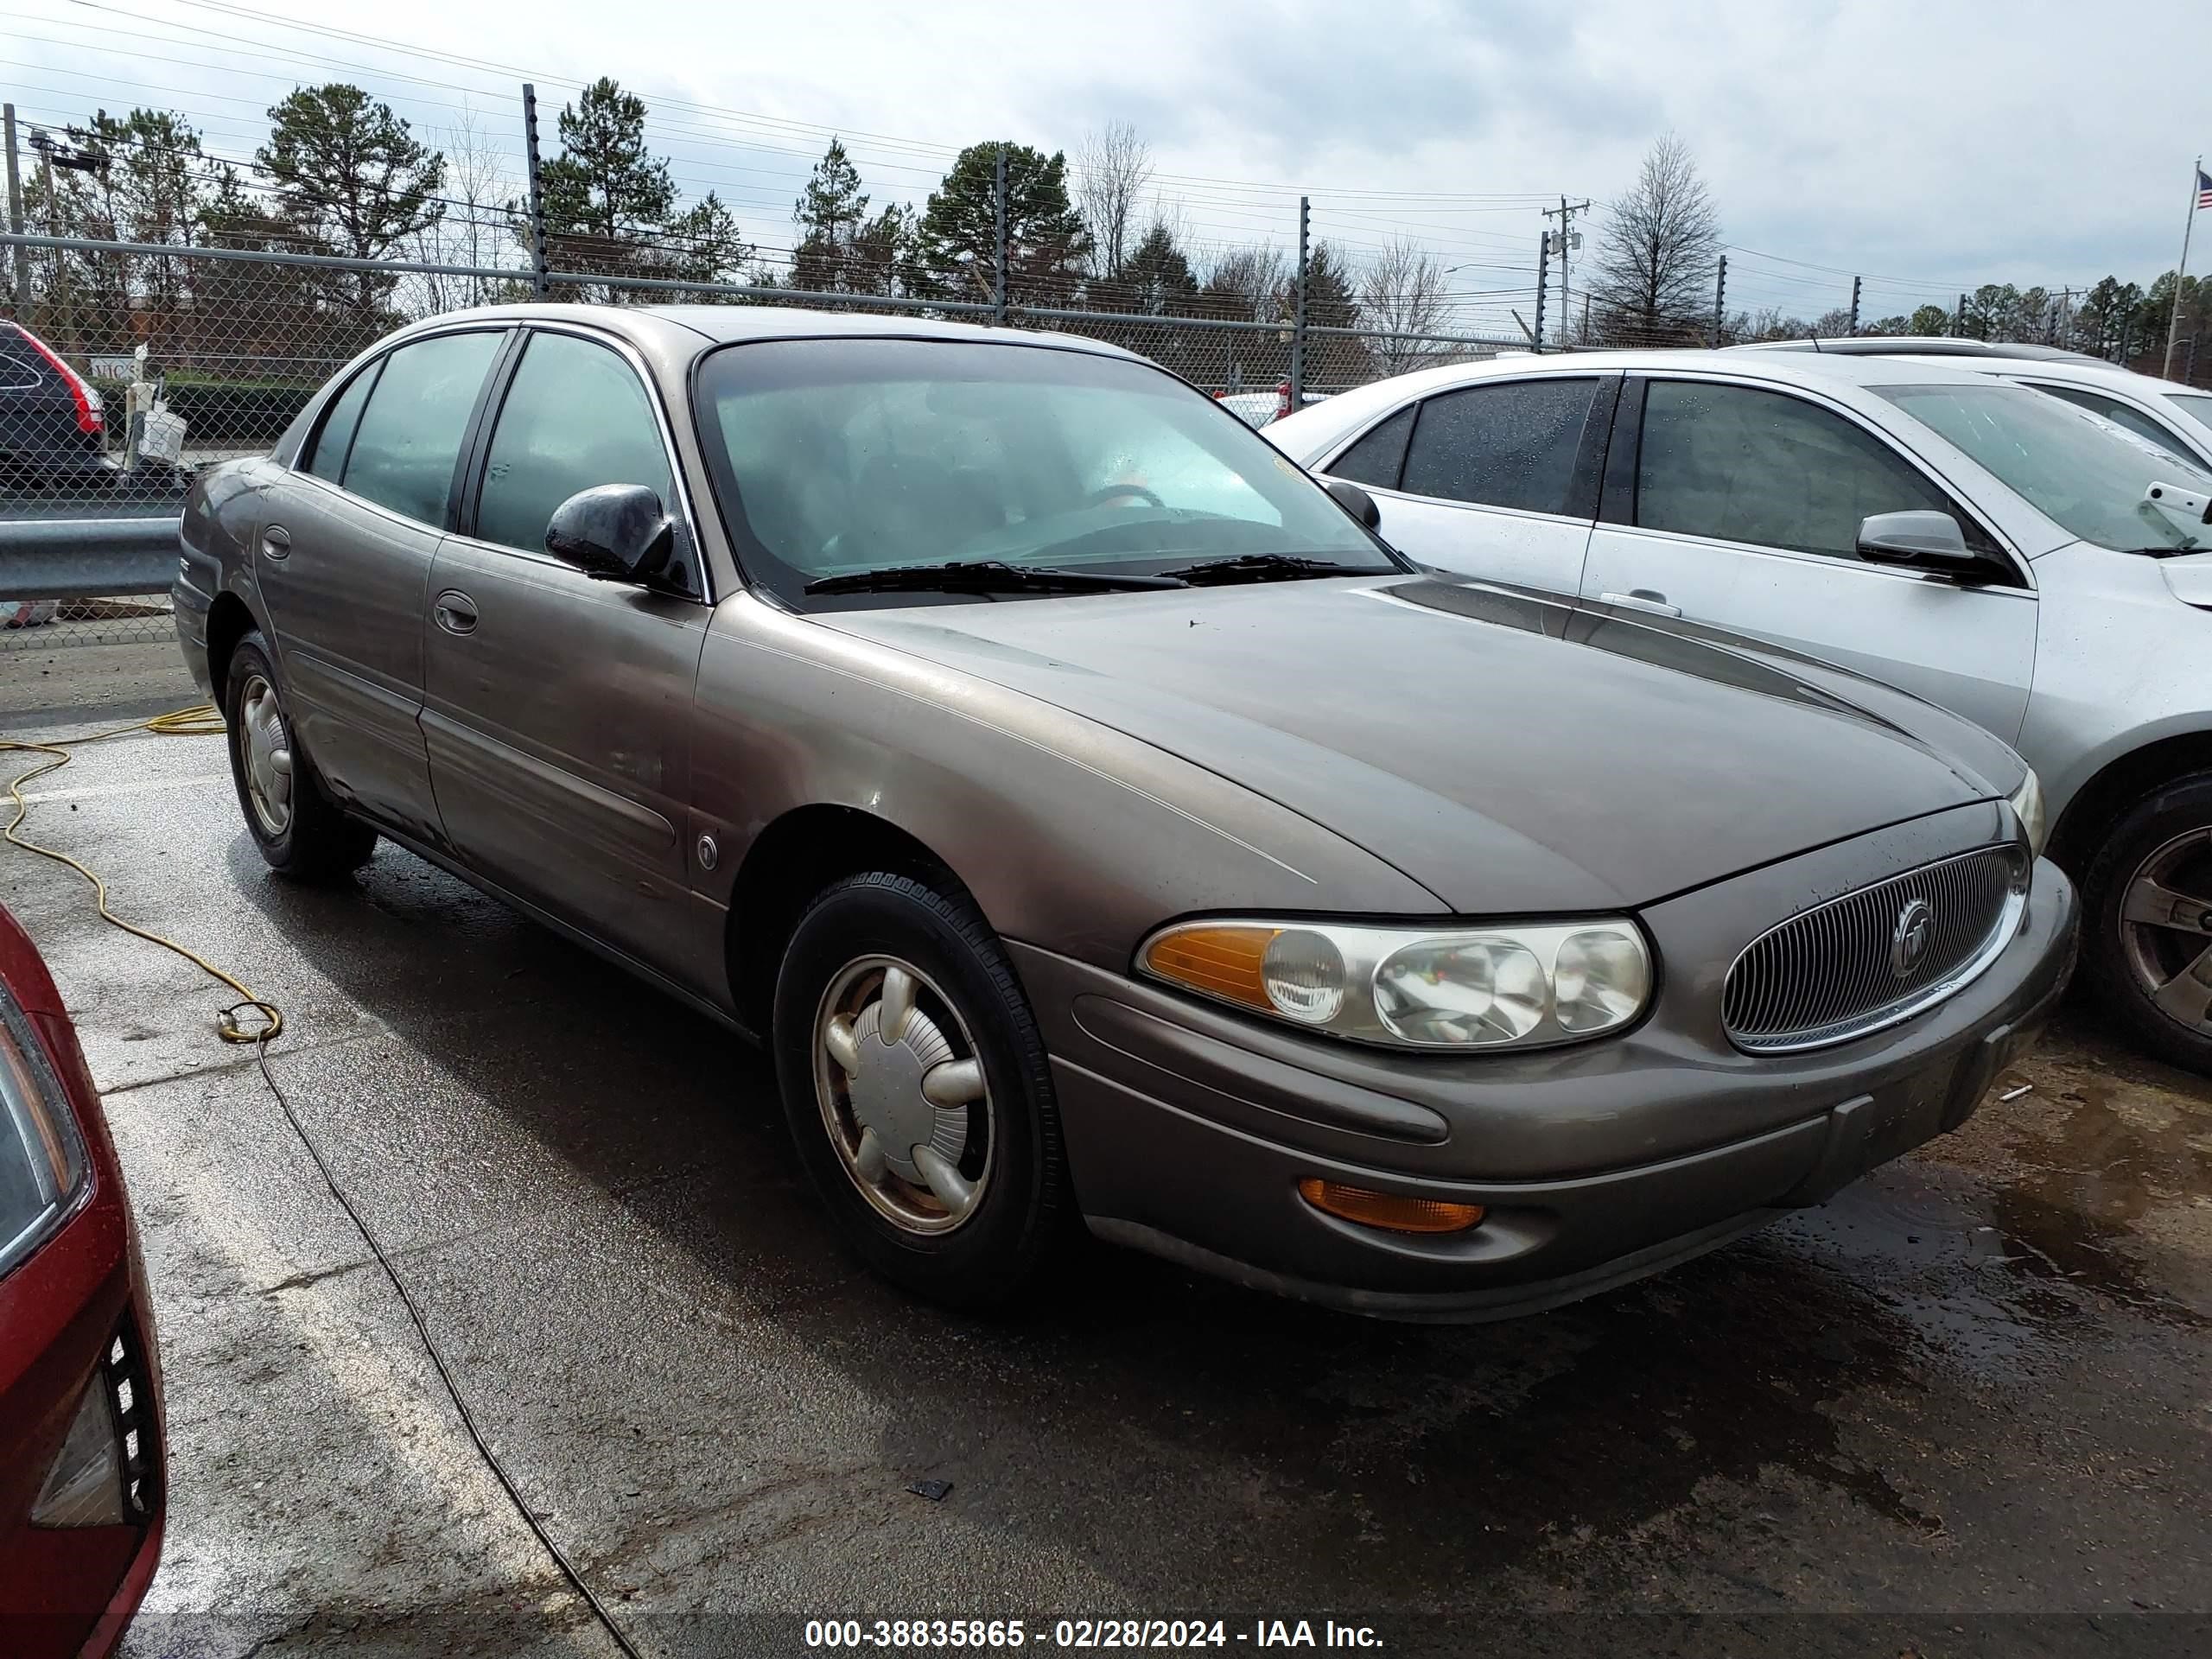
<point>229,620</point>
<point>2101,801</point>
<point>790,861</point>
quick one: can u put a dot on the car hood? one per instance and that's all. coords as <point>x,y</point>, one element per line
<point>1508,753</point>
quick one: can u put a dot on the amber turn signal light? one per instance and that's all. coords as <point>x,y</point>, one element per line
<point>1389,1210</point>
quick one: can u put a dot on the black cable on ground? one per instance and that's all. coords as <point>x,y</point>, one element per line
<point>430,1347</point>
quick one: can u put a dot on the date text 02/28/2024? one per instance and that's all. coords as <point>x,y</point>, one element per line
<point>1005,1635</point>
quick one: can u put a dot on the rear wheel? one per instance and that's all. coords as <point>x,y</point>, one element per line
<point>918,1093</point>
<point>2150,941</point>
<point>300,830</point>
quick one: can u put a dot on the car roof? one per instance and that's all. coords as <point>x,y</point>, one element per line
<point>685,330</point>
<point>1914,345</point>
<point>2081,373</point>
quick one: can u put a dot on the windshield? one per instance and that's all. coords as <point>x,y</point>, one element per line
<point>2079,470</point>
<point>837,457</point>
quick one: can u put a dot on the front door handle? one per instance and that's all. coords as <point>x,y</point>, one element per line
<point>277,542</point>
<point>455,612</point>
<point>1643,599</point>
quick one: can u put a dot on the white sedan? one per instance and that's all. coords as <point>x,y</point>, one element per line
<point>2027,564</point>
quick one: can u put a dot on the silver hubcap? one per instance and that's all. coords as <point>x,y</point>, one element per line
<point>266,752</point>
<point>2166,929</point>
<point>903,1095</point>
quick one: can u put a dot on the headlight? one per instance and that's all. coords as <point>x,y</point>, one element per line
<point>2027,803</point>
<point>42,1166</point>
<point>1521,985</point>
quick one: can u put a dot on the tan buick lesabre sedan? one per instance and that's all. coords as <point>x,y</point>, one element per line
<point>1103,827</point>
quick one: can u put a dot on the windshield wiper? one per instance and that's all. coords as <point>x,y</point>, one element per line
<point>984,576</point>
<point>1268,567</point>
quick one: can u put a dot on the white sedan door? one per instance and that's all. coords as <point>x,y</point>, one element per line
<point>1738,508</point>
<point>1497,480</point>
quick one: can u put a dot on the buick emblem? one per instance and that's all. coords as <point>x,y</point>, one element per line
<point>1909,938</point>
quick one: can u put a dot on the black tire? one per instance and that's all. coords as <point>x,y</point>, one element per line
<point>2173,811</point>
<point>319,842</point>
<point>1024,1213</point>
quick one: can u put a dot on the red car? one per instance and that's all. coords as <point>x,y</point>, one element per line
<point>81,1453</point>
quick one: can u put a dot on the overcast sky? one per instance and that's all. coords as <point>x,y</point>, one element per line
<point>1930,145</point>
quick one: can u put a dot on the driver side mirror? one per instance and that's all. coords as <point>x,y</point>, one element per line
<point>1354,501</point>
<point>1922,540</point>
<point>617,532</point>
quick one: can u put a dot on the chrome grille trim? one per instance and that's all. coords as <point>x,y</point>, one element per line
<point>1826,977</point>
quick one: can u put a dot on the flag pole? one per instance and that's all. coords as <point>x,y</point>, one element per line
<point>2181,271</point>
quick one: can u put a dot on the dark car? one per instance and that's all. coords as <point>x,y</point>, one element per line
<point>80,1406</point>
<point>53,429</point>
<point>1097,819</point>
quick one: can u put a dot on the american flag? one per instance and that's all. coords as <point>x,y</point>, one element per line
<point>2203,189</point>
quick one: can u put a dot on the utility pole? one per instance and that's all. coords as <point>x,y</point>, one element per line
<point>15,222</point>
<point>1854,305</point>
<point>44,143</point>
<point>2196,199</point>
<point>1543,271</point>
<point>536,199</point>
<point>1719,299</point>
<point>997,237</point>
<point>1298,314</point>
<point>2055,330</point>
<point>1569,239</point>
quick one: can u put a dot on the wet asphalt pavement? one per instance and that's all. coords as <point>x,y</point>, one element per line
<point>1964,1408</point>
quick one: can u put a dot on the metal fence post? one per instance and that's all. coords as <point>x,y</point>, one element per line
<point>16,220</point>
<point>2188,363</point>
<point>998,238</point>
<point>1854,305</point>
<point>1297,312</point>
<point>536,199</point>
<point>1543,274</point>
<point>1719,299</point>
<point>1959,318</point>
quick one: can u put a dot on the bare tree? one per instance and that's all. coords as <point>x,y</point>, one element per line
<point>477,229</point>
<point>1402,296</point>
<point>1112,168</point>
<point>1245,284</point>
<point>1652,281</point>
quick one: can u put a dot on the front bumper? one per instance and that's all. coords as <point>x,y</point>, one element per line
<point>1189,1128</point>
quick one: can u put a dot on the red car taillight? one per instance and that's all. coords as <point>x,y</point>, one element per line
<point>89,416</point>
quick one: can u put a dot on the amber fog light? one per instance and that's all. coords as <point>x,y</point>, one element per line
<point>1389,1210</point>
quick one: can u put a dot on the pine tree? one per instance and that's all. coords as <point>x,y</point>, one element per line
<point>606,192</point>
<point>349,173</point>
<point>1046,241</point>
<point>828,220</point>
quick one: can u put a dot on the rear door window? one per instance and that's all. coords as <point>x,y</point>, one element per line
<point>1509,445</point>
<point>408,443</point>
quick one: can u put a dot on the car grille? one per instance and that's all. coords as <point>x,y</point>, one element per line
<point>1839,971</point>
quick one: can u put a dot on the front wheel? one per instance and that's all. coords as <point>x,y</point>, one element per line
<point>2150,940</point>
<point>918,1093</point>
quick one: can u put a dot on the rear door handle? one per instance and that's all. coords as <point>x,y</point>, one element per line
<point>455,612</point>
<point>1643,599</point>
<point>277,542</point>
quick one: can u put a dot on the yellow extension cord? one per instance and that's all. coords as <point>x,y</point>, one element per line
<point>200,719</point>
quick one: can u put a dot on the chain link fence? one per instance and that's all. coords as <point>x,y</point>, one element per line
<point>126,368</point>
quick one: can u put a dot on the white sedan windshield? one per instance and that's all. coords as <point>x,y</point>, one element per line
<point>2075,468</point>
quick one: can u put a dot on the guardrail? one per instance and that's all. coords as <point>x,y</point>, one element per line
<point>70,558</point>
